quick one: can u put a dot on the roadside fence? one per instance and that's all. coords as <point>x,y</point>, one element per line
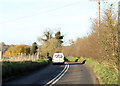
<point>21,57</point>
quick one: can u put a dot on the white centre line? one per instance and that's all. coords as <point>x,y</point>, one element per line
<point>61,75</point>
<point>54,80</point>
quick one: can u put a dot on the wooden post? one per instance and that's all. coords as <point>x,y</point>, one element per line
<point>0,55</point>
<point>98,13</point>
<point>0,68</point>
<point>119,42</point>
<point>29,57</point>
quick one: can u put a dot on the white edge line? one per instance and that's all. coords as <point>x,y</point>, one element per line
<point>56,76</point>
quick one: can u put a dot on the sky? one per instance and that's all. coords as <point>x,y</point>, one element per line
<point>23,21</point>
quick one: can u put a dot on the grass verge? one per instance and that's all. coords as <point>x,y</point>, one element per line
<point>16,68</point>
<point>105,75</point>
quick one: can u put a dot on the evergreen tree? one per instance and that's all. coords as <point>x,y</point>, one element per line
<point>46,36</point>
<point>34,48</point>
<point>59,37</point>
<point>27,50</point>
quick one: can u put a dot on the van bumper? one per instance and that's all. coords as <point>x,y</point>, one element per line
<point>58,62</point>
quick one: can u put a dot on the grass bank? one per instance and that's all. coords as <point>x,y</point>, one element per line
<point>13,68</point>
<point>105,75</point>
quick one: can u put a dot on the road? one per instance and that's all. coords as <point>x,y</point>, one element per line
<point>70,73</point>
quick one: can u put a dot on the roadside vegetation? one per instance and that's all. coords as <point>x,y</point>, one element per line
<point>14,68</point>
<point>24,50</point>
<point>105,74</point>
<point>100,47</point>
<point>51,43</point>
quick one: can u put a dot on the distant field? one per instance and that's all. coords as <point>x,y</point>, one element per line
<point>13,68</point>
<point>106,75</point>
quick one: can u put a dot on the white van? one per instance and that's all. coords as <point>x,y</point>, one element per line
<point>58,58</point>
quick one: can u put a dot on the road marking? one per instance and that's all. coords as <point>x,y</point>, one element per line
<point>61,75</point>
<point>54,80</point>
<point>57,75</point>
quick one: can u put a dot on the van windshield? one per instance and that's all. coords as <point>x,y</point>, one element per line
<point>58,56</point>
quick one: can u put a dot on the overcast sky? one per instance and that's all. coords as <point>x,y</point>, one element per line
<point>23,21</point>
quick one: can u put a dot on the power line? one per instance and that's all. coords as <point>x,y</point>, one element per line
<point>48,11</point>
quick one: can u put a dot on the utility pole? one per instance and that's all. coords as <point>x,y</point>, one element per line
<point>119,40</point>
<point>1,65</point>
<point>1,52</point>
<point>119,27</point>
<point>98,13</point>
<point>99,21</point>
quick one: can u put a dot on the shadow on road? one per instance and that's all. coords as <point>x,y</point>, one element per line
<point>58,64</point>
<point>76,62</point>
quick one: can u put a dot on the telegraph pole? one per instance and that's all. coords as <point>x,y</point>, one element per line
<point>1,52</point>
<point>99,21</point>
<point>98,13</point>
<point>119,40</point>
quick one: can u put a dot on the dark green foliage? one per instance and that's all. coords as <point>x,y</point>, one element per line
<point>34,48</point>
<point>50,44</point>
<point>47,35</point>
<point>59,37</point>
<point>27,50</point>
<point>17,68</point>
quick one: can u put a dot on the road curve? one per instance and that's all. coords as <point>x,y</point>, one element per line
<point>42,76</point>
<point>74,73</point>
<point>77,74</point>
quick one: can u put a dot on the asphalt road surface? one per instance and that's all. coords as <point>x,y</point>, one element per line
<point>70,73</point>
